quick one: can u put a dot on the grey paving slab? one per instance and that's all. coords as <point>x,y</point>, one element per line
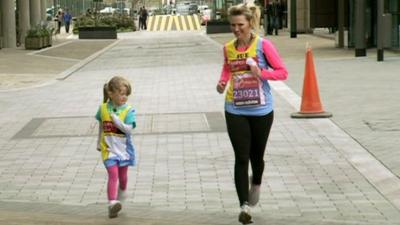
<point>21,69</point>
<point>360,92</point>
<point>185,177</point>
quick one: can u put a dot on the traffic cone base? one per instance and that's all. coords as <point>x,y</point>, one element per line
<point>300,115</point>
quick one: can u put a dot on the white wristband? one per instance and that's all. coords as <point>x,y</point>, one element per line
<point>121,125</point>
<point>251,62</point>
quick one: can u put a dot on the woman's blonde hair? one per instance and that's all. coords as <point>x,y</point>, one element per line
<point>250,11</point>
<point>116,84</point>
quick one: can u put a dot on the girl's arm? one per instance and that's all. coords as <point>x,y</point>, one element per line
<point>127,129</point>
<point>279,71</point>
<point>98,118</point>
<point>99,137</point>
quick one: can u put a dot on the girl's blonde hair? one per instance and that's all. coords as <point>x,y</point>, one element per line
<point>115,84</point>
<point>250,11</point>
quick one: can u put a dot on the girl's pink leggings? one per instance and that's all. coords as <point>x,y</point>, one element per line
<point>116,173</point>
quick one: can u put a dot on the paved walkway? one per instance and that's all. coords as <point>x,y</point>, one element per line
<point>50,170</point>
<point>361,93</point>
<point>21,69</point>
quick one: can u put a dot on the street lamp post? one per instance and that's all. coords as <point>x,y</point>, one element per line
<point>55,9</point>
<point>380,32</point>
<point>293,19</point>
<point>265,17</point>
<point>341,23</point>
<point>359,29</point>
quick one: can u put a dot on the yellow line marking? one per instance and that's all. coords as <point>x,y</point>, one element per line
<point>170,21</point>
<point>189,18</point>
<point>176,20</point>
<point>154,28</point>
<point>149,23</point>
<point>163,20</point>
<point>183,22</point>
<point>157,28</point>
<point>197,22</point>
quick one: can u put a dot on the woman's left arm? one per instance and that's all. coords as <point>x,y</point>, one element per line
<point>279,71</point>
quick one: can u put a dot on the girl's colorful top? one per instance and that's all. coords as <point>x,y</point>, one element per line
<point>116,147</point>
<point>248,94</point>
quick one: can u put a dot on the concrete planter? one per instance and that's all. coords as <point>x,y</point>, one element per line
<point>47,41</point>
<point>44,41</point>
<point>33,43</point>
<point>214,27</point>
<point>97,32</point>
<point>50,40</point>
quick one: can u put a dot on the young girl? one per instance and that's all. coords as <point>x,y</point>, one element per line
<point>251,62</point>
<point>116,121</point>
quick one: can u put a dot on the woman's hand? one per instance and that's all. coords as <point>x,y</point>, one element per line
<point>221,87</point>
<point>255,70</point>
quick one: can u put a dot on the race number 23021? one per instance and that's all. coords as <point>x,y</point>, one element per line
<point>246,93</point>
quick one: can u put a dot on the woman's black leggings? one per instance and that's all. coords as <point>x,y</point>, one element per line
<point>248,135</point>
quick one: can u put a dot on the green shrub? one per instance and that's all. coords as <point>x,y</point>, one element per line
<point>123,23</point>
<point>33,32</point>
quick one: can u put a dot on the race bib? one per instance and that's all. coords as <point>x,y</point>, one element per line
<point>246,90</point>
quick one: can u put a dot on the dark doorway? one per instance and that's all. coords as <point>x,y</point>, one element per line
<point>323,14</point>
<point>371,7</point>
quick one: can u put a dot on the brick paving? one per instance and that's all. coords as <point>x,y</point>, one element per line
<point>51,172</point>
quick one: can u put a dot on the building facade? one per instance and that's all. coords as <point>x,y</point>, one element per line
<point>361,21</point>
<point>18,16</point>
<point>26,13</point>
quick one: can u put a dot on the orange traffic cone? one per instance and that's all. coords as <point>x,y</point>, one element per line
<point>311,106</point>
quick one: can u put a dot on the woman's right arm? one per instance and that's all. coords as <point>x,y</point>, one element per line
<point>225,75</point>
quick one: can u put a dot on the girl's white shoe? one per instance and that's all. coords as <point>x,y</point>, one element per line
<point>113,208</point>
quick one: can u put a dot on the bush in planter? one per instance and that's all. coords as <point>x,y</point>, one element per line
<point>121,22</point>
<point>84,21</point>
<point>33,39</point>
<point>39,37</point>
<point>45,37</point>
<point>50,31</point>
